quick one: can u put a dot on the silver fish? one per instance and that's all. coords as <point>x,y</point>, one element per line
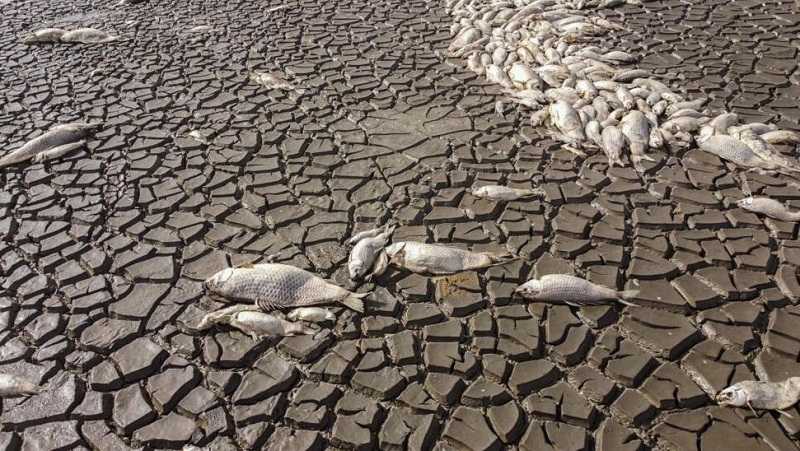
<point>496,74</point>
<point>769,207</point>
<point>594,132</point>
<point>260,324</point>
<point>276,286</point>
<point>613,143</point>
<point>636,129</point>
<point>44,35</point>
<point>438,259</point>
<point>723,122</point>
<point>58,151</point>
<point>761,395</point>
<point>567,121</point>
<point>311,314</point>
<point>270,80</point>
<point>504,193</point>
<point>628,75</point>
<point>781,137</point>
<point>731,149</point>
<point>625,97</point>
<point>87,36</point>
<point>55,137</point>
<point>366,250</point>
<point>571,290</point>
<point>12,386</point>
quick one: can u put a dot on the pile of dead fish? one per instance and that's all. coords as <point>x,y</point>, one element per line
<point>543,55</point>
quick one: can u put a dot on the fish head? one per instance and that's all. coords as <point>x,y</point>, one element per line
<point>732,396</point>
<point>746,202</point>
<point>530,289</point>
<point>216,284</point>
<point>356,267</point>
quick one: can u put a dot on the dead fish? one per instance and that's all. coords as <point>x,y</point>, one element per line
<point>769,207</point>
<point>628,75</point>
<point>571,290</point>
<point>761,395</point>
<point>364,253</point>
<point>365,234</point>
<point>496,74</point>
<point>12,386</point>
<point>437,259</point>
<point>311,314</point>
<point>692,104</point>
<point>55,137</point>
<point>636,129</point>
<point>45,35</point>
<point>276,286</point>
<point>567,121</point>
<point>87,36</point>
<point>499,108</point>
<point>259,324</point>
<point>474,64</point>
<point>723,122</point>
<point>270,81</point>
<point>625,97</point>
<point>504,193</point>
<point>613,143</point>
<point>593,131</point>
<point>731,149</point>
<point>540,117</point>
<point>58,151</point>
<point>656,139</point>
<point>618,56</point>
<point>781,137</point>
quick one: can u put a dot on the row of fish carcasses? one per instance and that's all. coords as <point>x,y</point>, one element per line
<point>542,54</point>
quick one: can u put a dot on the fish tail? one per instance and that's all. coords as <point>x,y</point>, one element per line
<point>355,301</point>
<point>625,295</point>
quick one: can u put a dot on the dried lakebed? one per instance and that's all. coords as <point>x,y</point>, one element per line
<point>104,251</point>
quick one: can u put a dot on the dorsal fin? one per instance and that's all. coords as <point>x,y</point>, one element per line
<point>245,265</point>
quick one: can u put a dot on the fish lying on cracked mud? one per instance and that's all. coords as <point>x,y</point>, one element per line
<point>505,193</point>
<point>761,394</point>
<point>571,290</point>
<point>273,286</point>
<point>12,386</point>
<point>769,207</point>
<point>550,56</point>
<point>366,250</point>
<point>52,144</point>
<point>253,322</point>
<point>437,259</point>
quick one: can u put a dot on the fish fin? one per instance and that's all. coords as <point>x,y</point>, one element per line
<point>354,301</point>
<point>753,410</point>
<point>245,265</point>
<point>786,414</point>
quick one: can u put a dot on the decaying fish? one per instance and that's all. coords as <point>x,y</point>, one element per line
<point>254,323</point>
<point>437,259</point>
<point>311,314</point>
<point>731,149</point>
<point>781,137</point>
<point>571,290</point>
<point>769,207</point>
<point>87,36</point>
<point>45,35</point>
<point>12,386</point>
<point>270,80</point>
<point>365,251</point>
<point>58,151</point>
<point>57,136</point>
<point>504,193</point>
<point>274,286</point>
<point>761,395</point>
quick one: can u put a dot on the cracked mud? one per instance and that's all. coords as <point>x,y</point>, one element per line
<point>197,167</point>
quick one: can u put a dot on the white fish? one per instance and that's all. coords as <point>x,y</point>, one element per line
<point>761,395</point>
<point>781,137</point>
<point>58,151</point>
<point>636,129</point>
<point>567,121</point>
<point>571,290</point>
<point>594,132</point>
<point>44,35</point>
<point>504,193</point>
<point>55,137</point>
<point>625,97</point>
<point>723,122</point>
<point>270,80</point>
<point>260,324</point>
<point>87,36</point>
<point>613,143</point>
<point>311,314</point>
<point>769,207</point>
<point>275,286</point>
<point>13,386</point>
<point>438,259</point>
<point>365,251</point>
<point>734,150</point>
